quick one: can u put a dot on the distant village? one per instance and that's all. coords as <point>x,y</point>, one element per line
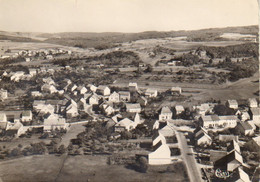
<point>217,131</point>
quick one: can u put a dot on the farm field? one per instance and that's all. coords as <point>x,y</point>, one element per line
<point>79,168</point>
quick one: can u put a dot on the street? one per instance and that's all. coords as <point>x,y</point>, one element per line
<point>188,158</point>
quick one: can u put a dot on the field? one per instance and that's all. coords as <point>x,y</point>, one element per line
<point>79,168</point>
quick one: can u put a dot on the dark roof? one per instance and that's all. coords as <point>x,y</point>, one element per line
<point>246,125</point>
<point>223,162</point>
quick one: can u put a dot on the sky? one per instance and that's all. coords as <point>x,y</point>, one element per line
<point>124,15</point>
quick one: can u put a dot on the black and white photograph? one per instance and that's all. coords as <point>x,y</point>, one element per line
<point>129,91</point>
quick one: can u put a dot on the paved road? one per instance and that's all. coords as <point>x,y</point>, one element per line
<point>188,158</point>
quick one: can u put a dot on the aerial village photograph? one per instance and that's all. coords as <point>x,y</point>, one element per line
<point>129,91</point>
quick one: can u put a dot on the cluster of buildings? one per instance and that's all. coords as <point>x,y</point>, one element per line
<point>30,54</point>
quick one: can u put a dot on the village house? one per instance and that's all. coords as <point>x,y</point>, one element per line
<point>82,89</point>
<point>32,72</point>
<point>36,94</point>
<point>255,114</point>
<point>16,128</point>
<point>202,138</point>
<point>48,88</point>
<point>178,109</point>
<point>228,121</point>
<point>53,122</point>
<point>92,87</point>
<point>232,104</point>
<point>227,138</point>
<point>71,109</point>
<point>94,99</point>
<point>41,106</point>
<point>252,102</point>
<point>107,108</point>
<point>214,121</point>
<point>26,116</point>
<point>127,124</point>
<point>150,92</point>
<point>3,121</point>
<point>242,115</point>
<point>166,130</point>
<point>233,146</point>
<point>3,94</point>
<point>16,76</point>
<point>254,144</point>
<point>142,100</point>
<point>239,175</point>
<point>229,162</point>
<point>114,97</point>
<point>176,90</point>
<point>103,90</point>
<point>204,108</point>
<point>133,86</point>
<point>48,81</point>
<point>166,113</point>
<point>124,96</point>
<point>245,128</point>
<point>161,152</point>
<point>133,108</point>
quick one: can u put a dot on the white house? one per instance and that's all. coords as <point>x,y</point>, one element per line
<point>103,90</point>
<point>3,94</point>
<point>26,116</point>
<point>94,99</point>
<point>36,93</point>
<point>124,96</point>
<point>166,114</point>
<point>179,109</point>
<point>91,87</point>
<point>228,121</point>
<point>202,137</point>
<point>232,104</point>
<point>54,121</point>
<point>252,102</point>
<point>48,81</point>
<point>71,109</point>
<point>175,90</point>
<point>134,108</point>
<point>82,89</point>
<point>161,152</point>
<point>48,88</point>
<point>229,162</point>
<point>255,114</point>
<point>133,86</point>
<point>114,97</point>
<point>32,72</point>
<point>245,128</point>
<point>150,92</point>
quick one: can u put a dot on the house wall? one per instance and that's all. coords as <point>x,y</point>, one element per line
<point>161,156</point>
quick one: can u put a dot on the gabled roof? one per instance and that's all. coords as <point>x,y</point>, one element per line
<point>179,108</point>
<point>239,174</point>
<point>166,110</point>
<point>133,106</point>
<point>232,102</point>
<point>210,118</point>
<point>252,101</point>
<point>151,90</point>
<point>255,111</point>
<point>257,140</point>
<point>223,162</point>
<point>246,125</point>
<point>202,134</point>
<point>27,113</point>
<point>233,145</point>
<point>230,117</point>
<point>102,87</point>
<point>124,93</point>
<point>124,122</point>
